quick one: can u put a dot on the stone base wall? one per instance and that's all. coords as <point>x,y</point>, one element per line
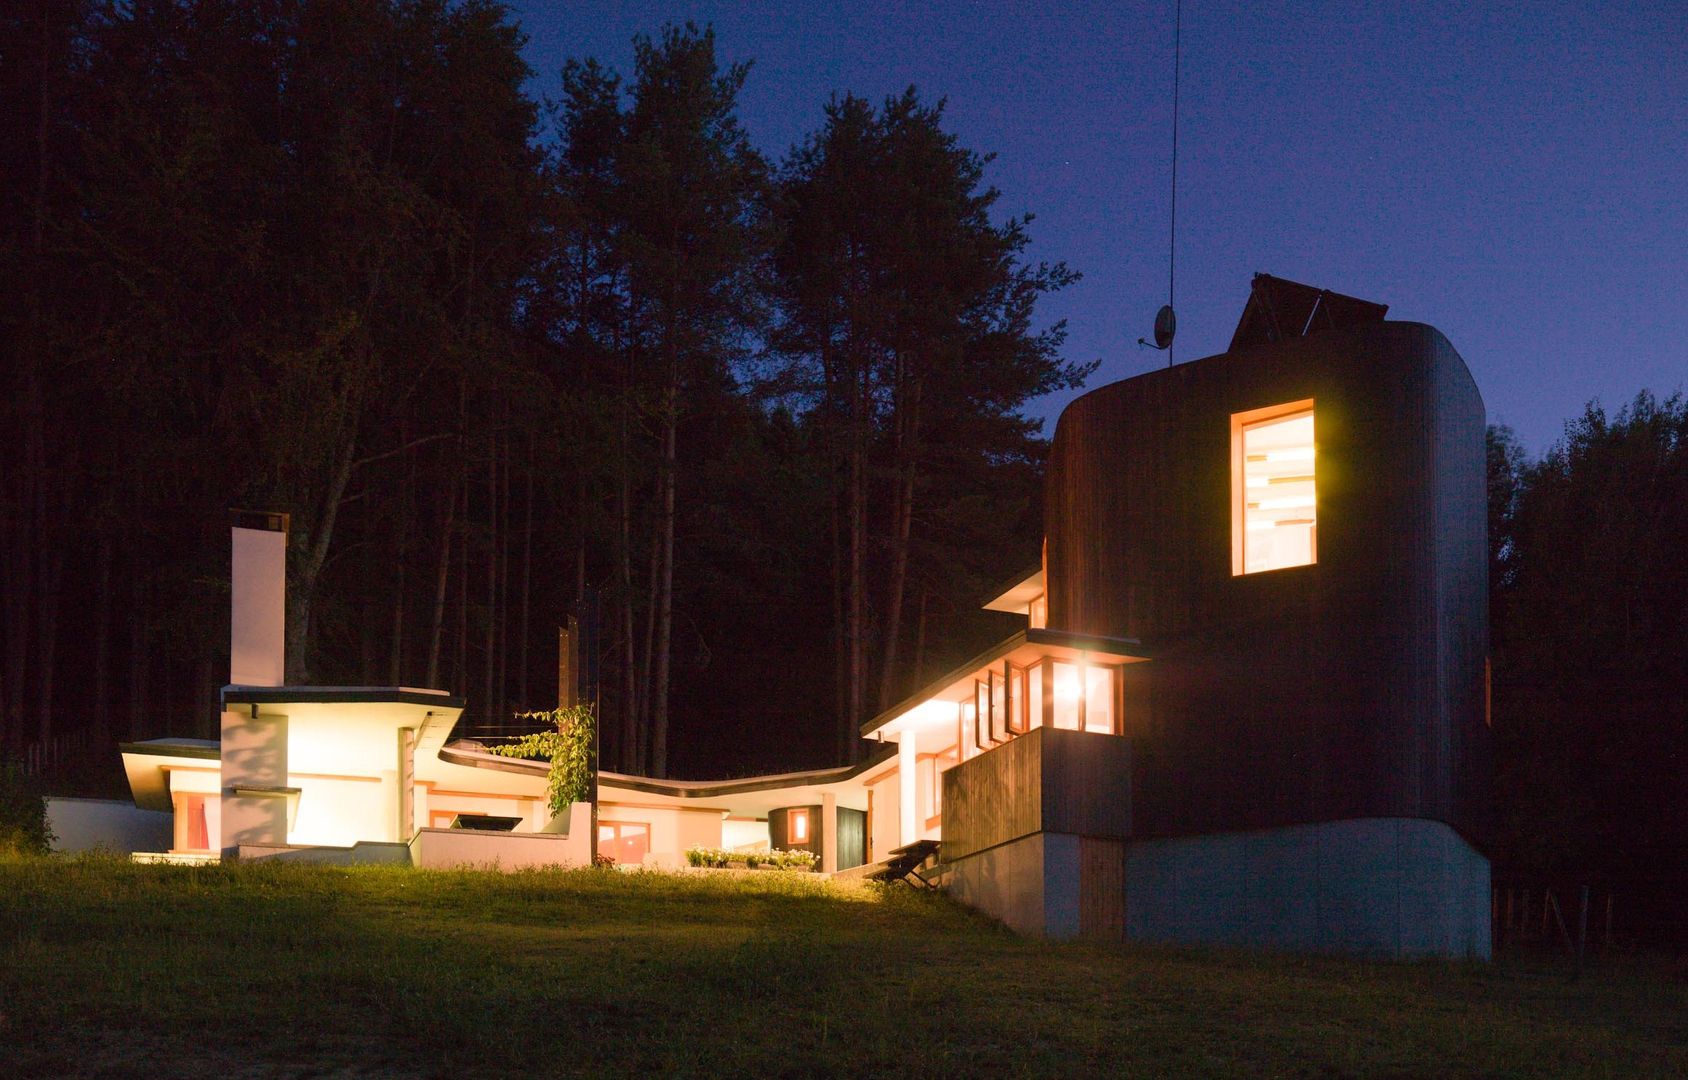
<point>1390,887</point>
<point>1394,887</point>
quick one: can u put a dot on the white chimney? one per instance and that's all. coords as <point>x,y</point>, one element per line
<point>258,600</point>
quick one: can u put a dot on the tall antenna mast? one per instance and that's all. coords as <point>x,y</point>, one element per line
<point>1172,230</point>
<point>1166,322</point>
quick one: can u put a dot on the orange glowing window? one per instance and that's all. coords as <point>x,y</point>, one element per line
<point>1274,519</point>
<point>198,821</point>
<point>797,826</point>
<point>626,842</point>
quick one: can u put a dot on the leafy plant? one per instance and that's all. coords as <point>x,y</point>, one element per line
<point>23,814</point>
<point>752,860</point>
<point>568,747</point>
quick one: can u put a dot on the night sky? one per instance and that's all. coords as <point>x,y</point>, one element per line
<point>1514,174</point>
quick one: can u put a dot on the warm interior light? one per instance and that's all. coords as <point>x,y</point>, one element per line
<point>1277,525</point>
<point>1066,684</point>
<point>800,826</point>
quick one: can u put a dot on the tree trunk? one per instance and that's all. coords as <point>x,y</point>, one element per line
<point>302,585</point>
<point>527,585</point>
<point>908,440</point>
<point>460,664</point>
<point>629,654</point>
<point>47,642</point>
<point>858,541</point>
<point>665,591</point>
<point>100,713</point>
<point>138,684</point>
<point>441,582</point>
<point>489,685</point>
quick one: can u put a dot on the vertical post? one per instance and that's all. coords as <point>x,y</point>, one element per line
<point>586,657</point>
<point>407,784</point>
<point>908,759</point>
<point>829,833</point>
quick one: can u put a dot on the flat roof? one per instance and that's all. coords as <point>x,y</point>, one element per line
<point>682,789</point>
<point>281,695</point>
<point>204,749</point>
<point>1035,641</point>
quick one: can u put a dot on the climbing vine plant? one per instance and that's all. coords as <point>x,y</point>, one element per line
<point>568,746</point>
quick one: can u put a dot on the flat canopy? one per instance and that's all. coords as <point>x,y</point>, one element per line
<point>1028,645</point>
<point>148,764</point>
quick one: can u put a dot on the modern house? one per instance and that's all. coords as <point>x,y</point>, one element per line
<point>1248,704</point>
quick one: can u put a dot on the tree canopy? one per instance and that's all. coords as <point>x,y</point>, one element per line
<point>488,353</point>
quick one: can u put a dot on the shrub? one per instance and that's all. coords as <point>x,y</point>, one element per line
<point>23,814</point>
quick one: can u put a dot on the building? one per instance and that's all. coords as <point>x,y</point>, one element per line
<point>1248,705</point>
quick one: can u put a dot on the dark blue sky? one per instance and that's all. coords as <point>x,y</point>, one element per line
<point>1515,174</point>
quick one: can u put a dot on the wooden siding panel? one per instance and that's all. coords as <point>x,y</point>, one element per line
<point>1101,887</point>
<point>1048,780</point>
<point>1348,688</point>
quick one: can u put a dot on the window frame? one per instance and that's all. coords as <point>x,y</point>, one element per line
<point>792,817</point>
<point>1239,489</point>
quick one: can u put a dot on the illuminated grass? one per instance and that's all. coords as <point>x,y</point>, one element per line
<point>116,970</point>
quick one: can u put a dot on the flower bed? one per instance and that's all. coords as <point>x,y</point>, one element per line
<point>751,860</point>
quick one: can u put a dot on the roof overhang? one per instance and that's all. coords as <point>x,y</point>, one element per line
<point>340,695</point>
<point>934,705</point>
<point>1016,595</point>
<point>148,766</point>
<point>752,795</point>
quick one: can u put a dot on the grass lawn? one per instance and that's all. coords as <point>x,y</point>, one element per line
<point>114,970</point>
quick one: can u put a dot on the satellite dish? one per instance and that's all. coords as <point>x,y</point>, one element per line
<point>1166,325</point>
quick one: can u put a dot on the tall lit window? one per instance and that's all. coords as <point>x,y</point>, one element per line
<point>1275,503</point>
<point>798,820</point>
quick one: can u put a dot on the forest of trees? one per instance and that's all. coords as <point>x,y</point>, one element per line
<point>1588,583</point>
<point>330,258</point>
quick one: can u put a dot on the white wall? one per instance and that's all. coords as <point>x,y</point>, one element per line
<point>340,811</point>
<point>672,830</point>
<point>254,751</point>
<point>739,835</point>
<point>886,818</point>
<point>258,608</point>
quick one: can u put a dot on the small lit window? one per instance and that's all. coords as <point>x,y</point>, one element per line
<point>799,827</point>
<point>1275,504</point>
<point>625,843</point>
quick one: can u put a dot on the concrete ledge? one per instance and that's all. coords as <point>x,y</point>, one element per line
<point>458,849</point>
<point>362,853</point>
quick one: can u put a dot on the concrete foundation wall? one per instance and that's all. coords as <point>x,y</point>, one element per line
<point>1031,884</point>
<point>107,824</point>
<point>1376,886</point>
